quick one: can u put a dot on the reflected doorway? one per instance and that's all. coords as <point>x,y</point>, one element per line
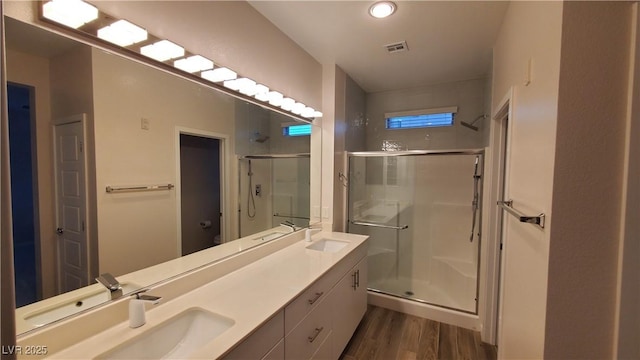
<point>200,200</point>
<point>24,199</point>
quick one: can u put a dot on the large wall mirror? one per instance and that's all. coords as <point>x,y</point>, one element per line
<point>88,128</point>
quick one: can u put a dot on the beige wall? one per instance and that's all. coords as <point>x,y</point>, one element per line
<point>34,71</point>
<point>132,224</point>
<point>629,310</point>
<point>567,160</point>
<point>587,186</point>
<point>531,30</point>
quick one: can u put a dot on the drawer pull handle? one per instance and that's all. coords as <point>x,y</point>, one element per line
<point>318,295</point>
<point>358,278</point>
<point>318,331</point>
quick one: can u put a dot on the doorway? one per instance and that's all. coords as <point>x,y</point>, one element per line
<point>200,199</point>
<point>71,203</point>
<point>24,193</point>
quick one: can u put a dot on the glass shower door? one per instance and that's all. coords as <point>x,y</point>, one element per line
<point>421,213</point>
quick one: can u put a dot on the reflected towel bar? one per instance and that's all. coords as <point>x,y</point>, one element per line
<point>112,189</point>
<point>291,216</point>
<point>536,220</point>
<point>380,225</point>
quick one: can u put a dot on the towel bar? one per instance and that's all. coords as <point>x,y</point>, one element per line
<point>402,227</point>
<point>111,189</point>
<point>536,220</point>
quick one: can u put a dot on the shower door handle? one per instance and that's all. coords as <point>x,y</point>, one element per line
<point>401,227</point>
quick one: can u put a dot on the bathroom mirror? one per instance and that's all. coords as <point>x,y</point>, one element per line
<point>171,168</point>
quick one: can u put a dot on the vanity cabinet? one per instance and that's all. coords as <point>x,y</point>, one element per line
<point>264,343</point>
<point>328,326</point>
<point>349,303</point>
<point>319,322</point>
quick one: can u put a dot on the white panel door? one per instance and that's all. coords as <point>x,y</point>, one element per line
<point>73,264</point>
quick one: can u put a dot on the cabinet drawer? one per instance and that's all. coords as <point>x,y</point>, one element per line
<point>324,351</point>
<point>307,337</point>
<point>307,301</point>
<point>260,341</point>
<point>277,353</point>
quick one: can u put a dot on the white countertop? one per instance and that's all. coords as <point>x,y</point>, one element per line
<point>144,277</point>
<point>249,296</point>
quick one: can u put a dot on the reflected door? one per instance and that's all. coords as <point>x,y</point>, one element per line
<point>73,252</point>
<point>421,213</point>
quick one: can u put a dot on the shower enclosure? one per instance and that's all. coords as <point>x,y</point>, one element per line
<point>421,211</point>
<point>273,189</point>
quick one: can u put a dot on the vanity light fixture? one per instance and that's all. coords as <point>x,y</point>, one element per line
<point>275,98</point>
<point>232,84</point>
<point>246,86</point>
<point>308,112</point>
<point>297,108</point>
<point>76,13</point>
<point>382,9</point>
<point>262,93</point>
<point>123,33</point>
<point>72,13</point>
<point>287,104</point>
<point>193,64</point>
<point>219,74</point>
<point>163,50</point>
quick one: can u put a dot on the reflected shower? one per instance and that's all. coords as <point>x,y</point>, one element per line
<point>471,126</point>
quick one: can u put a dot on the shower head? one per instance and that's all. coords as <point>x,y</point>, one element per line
<point>259,138</point>
<point>471,126</point>
<point>474,128</point>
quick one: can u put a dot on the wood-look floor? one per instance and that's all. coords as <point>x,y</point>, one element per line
<point>388,335</point>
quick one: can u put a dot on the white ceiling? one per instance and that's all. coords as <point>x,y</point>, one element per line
<point>447,40</point>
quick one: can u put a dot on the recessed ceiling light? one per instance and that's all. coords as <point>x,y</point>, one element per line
<point>382,9</point>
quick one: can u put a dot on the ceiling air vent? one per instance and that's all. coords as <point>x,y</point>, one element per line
<point>397,47</point>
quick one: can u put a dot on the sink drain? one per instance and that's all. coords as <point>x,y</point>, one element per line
<point>408,293</point>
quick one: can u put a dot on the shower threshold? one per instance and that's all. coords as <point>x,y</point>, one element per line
<point>422,292</point>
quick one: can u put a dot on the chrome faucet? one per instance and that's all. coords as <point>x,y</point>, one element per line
<point>289,224</point>
<point>114,287</point>
<point>137,315</point>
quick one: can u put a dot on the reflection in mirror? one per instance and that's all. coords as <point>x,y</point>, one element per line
<point>83,119</point>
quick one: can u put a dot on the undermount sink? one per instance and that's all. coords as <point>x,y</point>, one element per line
<point>73,306</point>
<point>175,338</point>
<point>328,245</point>
<point>270,236</point>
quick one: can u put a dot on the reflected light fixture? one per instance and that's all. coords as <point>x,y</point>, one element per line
<point>72,13</point>
<point>382,9</point>
<point>163,50</point>
<point>193,64</point>
<point>123,33</point>
<point>219,74</point>
<point>317,114</point>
